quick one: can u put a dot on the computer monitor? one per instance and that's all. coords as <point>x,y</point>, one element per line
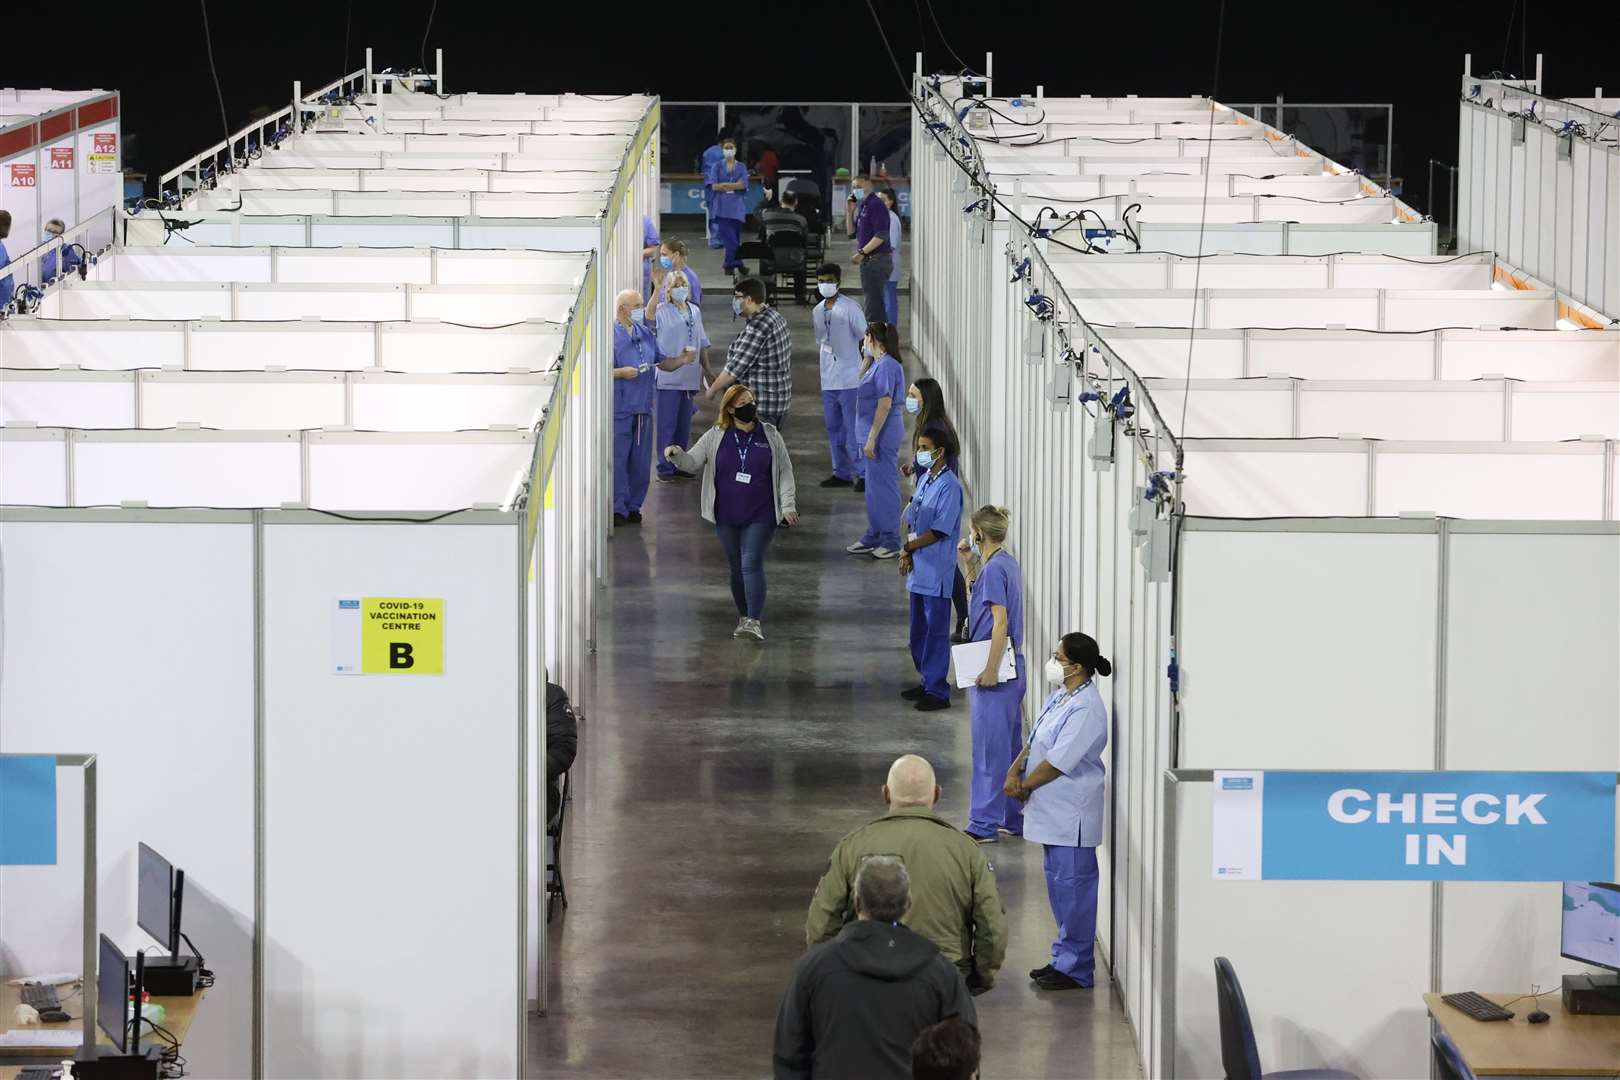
<point>1591,933</point>
<point>157,899</point>
<point>112,993</point>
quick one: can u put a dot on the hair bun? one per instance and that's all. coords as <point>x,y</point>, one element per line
<point>1103,666</point>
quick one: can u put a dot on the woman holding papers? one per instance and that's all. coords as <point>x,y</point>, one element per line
<point>1059,778</point>
<point>996,616</point>
<point>927,558</point>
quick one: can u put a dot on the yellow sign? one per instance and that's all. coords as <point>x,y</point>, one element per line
<point>402,635</point>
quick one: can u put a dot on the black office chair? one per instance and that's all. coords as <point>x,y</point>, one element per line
<point>556,892</point>
<point>1239,1054</point>
<point>1448,1060</point>
<point>759,253</point>
<point>788,257</point>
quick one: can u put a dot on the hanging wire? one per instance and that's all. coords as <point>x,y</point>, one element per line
<point>1203,217</point>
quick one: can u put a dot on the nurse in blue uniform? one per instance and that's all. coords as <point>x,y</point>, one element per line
<point>1059,778</point>
<point>728,179</point>
<point>635,357</point>
<point>682,341</point>
<point>880,430</point>
<point>996,615</point>
<point>928,559</point>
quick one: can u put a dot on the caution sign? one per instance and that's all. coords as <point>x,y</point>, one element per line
<point>388,635</point>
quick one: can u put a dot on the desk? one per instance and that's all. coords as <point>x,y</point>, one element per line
<point>179,1014</point>
<point>1564,1046</point>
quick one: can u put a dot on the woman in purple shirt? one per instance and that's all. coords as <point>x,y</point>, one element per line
<point>995,707</point>
<point>747,491</point>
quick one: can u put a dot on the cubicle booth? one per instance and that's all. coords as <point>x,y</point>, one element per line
<point>1374,528</point>
<point>61,156</point>
<point>215,443</point>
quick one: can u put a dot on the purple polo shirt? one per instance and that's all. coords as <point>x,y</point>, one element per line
<point>872,220</point>
<point>736,503</point>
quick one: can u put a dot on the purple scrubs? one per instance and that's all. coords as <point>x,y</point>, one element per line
<point>730,208</point>
<point>884,379</point>
<point>632,415</point>
<point>997,726</point>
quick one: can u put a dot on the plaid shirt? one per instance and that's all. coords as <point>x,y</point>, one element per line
<point>761,357</point>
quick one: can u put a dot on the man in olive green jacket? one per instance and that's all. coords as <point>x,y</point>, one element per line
<point>955,903</point>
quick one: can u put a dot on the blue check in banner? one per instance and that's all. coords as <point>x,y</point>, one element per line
<point>1414,826</point>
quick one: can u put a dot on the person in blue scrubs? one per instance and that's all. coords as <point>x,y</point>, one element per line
<point>891,292</point>
<point>1059,778</point>
<point>840,326</point>
<point>881,431</point>
<point>8,284</point>
<point>996,615</point>
<point>635,354</point>
<point>729,181</point>
<point>672,255</point>
<point>928,559</point>
<point>711,157</point>
<point>649,252</point>
<point>70,253</point>
<point>682,341</point>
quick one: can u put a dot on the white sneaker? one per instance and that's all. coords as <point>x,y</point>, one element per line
<point>742,627</point>
<point>858,548</point>
<point>884,553</point>
<point>754,629</point>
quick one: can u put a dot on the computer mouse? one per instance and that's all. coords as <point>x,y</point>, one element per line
<point>1538,1017</point>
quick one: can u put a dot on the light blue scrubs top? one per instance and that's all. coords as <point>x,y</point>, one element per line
<point>677,332</point>
<point>935,507</point>
<point>731,205</point>
<point>895,229</point>
<point>839,335</point>
<point>637,348</point>
<point>1071,733</point>
<point>884,379</point>
<point>8,284</point>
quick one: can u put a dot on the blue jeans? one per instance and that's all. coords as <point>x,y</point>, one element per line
<point>1071,886</point>
<point>674,425</point>
<point>891,300</point>
<point>838,408</point>
<point>745,550</point>
<point>931,641</point>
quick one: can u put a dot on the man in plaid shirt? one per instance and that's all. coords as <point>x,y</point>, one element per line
<point>761,356</point>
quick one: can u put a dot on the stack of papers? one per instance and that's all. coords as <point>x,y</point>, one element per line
<point>969,661</point>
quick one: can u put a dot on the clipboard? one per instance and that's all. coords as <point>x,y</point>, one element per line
<point>969,661</point>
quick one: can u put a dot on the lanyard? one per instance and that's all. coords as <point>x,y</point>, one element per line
<point>742,449</point>
<point>1068,697</point>
<point>691,327</point>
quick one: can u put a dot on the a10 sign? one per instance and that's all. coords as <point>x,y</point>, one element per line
<point>22,175</point>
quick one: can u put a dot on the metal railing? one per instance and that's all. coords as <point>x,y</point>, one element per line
<point>853,163</point>
<point>93,236</point>
<point>1522,97</point>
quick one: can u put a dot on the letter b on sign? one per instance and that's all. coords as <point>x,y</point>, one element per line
<point>399,656</point>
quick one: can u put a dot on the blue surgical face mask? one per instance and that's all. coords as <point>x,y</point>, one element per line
<point>925,459</point>
<point>680,293</point>
<point>973,543</point>
<point>728,152</point>
<point>638,316</point>
<point>736,305</point>
<point>665,262</point>
<point>913,406</point>
<point>828,289</point>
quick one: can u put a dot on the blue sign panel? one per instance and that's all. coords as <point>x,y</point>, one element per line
<point>27,810</point>
<point>1415,826</point>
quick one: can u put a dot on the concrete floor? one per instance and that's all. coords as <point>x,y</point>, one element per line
<point>715,775</point>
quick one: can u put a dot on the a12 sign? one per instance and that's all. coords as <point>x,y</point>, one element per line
<point>23,175</point>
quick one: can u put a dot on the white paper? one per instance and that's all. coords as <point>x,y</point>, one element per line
<point>970,659</point>
<point>50,1039</point>
<point>346,635</point>
<point>1239,797</point>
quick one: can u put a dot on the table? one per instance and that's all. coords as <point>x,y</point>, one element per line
<point>1565,1045</point>
<point>180,1012</point>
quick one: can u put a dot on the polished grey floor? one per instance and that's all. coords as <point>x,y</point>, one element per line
<point>715,775</point>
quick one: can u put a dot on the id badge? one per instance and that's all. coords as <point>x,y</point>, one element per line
<point>645,368</point>
<point>911,538</point>
<point>744,478</point>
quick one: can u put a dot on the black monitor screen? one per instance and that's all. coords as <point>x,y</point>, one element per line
<point>154,896</point>
<point>112,993</point>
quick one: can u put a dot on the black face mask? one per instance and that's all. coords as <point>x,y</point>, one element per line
<point>746,413</point>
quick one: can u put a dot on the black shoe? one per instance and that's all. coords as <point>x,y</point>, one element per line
<point>860,486</point>
<point>1042,972</point>
<point>1056,980</point>
<point>634,517</point>
<point>930,703</point>
<point>620,519</point>
<point>836,481</point>
<point>916,693</point>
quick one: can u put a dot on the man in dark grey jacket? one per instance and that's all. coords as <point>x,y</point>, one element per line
<point>562,743</point>
<point>857,1001</point>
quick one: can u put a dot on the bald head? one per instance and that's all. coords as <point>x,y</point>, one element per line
<point>627,301</point>
<point>911,783</point>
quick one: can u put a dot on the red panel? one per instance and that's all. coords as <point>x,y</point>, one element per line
<point>18,140</point>
<point>53,128</point>
<point>98,111</point>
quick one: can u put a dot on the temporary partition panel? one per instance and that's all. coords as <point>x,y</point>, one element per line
<point>392,804</point>
<point>132,633</point>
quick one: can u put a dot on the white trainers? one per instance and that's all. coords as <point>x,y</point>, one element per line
<point>752,628</point>
<point>858,548</point>
<point>884,553</point>
<point>742,627</point>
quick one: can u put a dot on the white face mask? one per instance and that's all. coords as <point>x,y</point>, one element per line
<point>728,153</point>
<point>973,543</point>
<point>1054,671</point>
<point>827,289</point>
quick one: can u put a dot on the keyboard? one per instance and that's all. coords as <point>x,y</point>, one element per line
<point>34,1072</point>
<point>1478,1007</point>
<point>40,997</point>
